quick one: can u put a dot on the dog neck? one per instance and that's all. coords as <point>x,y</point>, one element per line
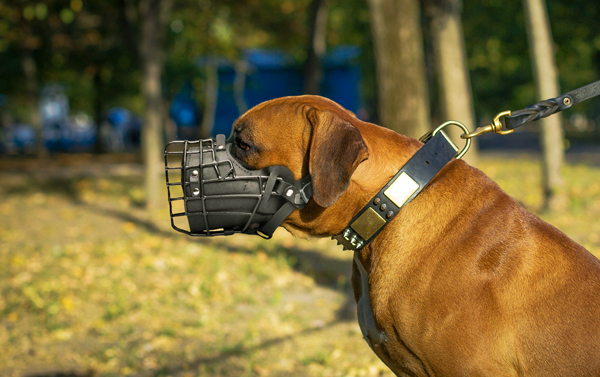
<point>389,156</point>
<point>388,152</point>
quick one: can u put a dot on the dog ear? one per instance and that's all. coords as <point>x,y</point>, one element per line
<point>336,150</point>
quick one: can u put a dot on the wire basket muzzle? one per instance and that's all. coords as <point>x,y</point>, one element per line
<point>211,193</point>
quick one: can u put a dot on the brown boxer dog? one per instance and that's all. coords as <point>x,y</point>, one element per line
<point>464,282</point>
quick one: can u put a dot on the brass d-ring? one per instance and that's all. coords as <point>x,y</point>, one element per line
<point>431,134</point>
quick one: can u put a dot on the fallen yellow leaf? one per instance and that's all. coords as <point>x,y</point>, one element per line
<point>129,227</point>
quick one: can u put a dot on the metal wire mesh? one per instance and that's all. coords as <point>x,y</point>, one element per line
<point>204,188</point>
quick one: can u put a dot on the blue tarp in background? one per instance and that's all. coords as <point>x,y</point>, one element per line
<point>272,74</point>
<point>268,74</point>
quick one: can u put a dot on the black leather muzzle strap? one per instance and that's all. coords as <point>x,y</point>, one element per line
<point>297,196</point>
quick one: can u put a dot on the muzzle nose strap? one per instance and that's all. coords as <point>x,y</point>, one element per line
<point>299,193</point>
<point>268,190</point>
<point>267,230</point>
<point>302,192</point>
<point>221,141</point>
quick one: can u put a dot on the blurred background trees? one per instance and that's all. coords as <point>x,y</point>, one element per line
<point>154,18</point>
<point>410,51</point>
<point>541,50</point>
<point>401,77</point>
<point>450,61</point>
<point>317,45</point>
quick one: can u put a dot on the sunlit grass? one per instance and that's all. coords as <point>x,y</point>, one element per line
<point>90,282</point>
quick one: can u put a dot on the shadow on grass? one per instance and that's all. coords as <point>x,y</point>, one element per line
<point>332,273</point>
<point>328,272</point>
<point>239,350</point>
<point>65,187</point>
<point>87,373</point>
<point>208,361</point>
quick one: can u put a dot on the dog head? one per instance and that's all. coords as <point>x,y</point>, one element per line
<point>309,135</point>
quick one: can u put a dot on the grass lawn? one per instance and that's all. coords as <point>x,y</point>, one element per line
<point>91,284</point>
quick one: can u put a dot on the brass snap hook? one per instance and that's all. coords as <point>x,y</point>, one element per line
<point>496,127</point>
<point>431,134</point>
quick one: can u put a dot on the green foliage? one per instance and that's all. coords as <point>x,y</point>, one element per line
<point>499,60</point>
<point>79,44</point>
<point>91,46</point>
<point>497,54</point>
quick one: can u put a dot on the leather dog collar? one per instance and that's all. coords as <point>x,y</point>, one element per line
<point>410,180</point>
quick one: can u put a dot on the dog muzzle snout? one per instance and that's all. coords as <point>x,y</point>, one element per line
<point>212,193</point>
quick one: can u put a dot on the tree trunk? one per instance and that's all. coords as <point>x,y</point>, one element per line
<point>239,86</point>
<point>313,68</point>
<point>154,15</point>
<point>401,78</point>
<point>455,93</point>
<point>546,79</point>
<point>211,92</point>
<point>31,82</point>
<point>98,106</point>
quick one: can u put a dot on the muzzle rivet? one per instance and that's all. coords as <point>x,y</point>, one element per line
<point>194,173</point>
<point>196,191</point>
<point>289,192</point>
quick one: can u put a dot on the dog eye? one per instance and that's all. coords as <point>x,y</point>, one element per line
<point>243,146</point>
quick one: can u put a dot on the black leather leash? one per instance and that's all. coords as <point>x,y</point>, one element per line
<point>551,106</point>
<point>542,109</point>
